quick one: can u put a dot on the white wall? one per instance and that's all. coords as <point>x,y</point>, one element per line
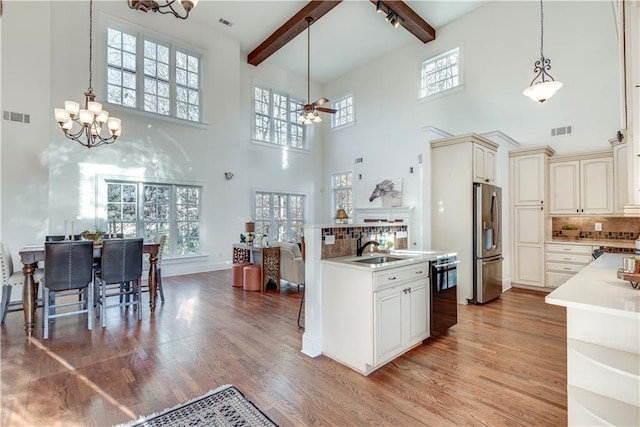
<point>47,179</point>
<point>500,42</point>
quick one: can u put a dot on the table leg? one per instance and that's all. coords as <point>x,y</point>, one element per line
<point>153,280</point>
<point>29,299</point>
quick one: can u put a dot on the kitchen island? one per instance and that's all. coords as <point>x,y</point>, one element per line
<point>603,344</point>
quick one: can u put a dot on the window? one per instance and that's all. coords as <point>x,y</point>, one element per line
<point>276,118</point>
<point>146,209</point>
<point>342,184</point>
<point>344,112</point>
<point>280,215</point>
<point>153,76</point>
<point>441,73</point>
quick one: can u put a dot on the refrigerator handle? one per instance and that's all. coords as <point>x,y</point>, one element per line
<point>494,216</point>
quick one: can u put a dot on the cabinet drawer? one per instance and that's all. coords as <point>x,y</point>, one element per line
<point>554,280</point>
<point>573,249</point>
<point>569,258</point>
<point>393,276</point>
<point>564,268</point>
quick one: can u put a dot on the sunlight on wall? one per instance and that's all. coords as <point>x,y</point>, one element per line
<point>285,158</point>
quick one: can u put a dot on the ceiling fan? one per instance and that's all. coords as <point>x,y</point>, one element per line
<point>310,109</point>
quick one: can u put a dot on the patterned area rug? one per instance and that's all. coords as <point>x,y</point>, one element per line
<point>225,406</point>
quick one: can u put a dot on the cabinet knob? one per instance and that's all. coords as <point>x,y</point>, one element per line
<point>541,201</point>
<point>578,210</point>
<point>419,272</point>
<point>541,208</point>
<point>392,278</point>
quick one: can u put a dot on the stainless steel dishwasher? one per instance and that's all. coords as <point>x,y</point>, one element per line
<point>444,298</point>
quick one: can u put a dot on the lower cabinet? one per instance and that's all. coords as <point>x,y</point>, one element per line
<point>563,261</point>
<point>401,320</point>
<point>371,317</point>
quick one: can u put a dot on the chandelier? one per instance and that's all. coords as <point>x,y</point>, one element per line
<point>166,7</point>
<point>92,117</point>
<point>543,86</point>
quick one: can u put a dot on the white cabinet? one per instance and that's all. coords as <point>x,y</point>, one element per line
<point>530,222</point>
<point>582,185</point>
<point>563,261</point>
<point>370,317</point>
<point>401,319</point>
<point>484,164</point>
<point>620,176</point>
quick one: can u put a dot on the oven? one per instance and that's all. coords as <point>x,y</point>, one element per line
<point>444,298</point>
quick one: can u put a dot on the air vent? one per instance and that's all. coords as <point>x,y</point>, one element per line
<point>359,160</point>
<point>562,131</point>
<point>16,117</point>
<point>225,22</point>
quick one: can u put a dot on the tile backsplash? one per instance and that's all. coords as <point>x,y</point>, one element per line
<point>613,228</point>
<point>346,237</point>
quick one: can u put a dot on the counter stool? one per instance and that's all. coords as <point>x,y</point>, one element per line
<point>237,274</point>
<point>252,277</point>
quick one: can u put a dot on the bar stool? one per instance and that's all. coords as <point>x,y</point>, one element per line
<point>252,277</point>
<point>238,274</point>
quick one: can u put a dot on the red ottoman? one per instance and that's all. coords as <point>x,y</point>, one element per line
<point>237,274</point>
<point>252,275</point>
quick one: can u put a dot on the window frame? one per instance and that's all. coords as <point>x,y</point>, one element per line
<point>292,231</point>
<point>460,86</point>
<point>141,35</point>
<point>335,107</point>
<point>334,189</point>
<point>273,91</point>
<point>172,245</point>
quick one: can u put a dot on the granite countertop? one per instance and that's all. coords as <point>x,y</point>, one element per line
<point>627,244</point>
<point>597,288</point>
<point>407,257</point>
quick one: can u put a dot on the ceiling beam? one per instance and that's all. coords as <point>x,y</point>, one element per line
<point>290,29</point>
<point>410,20</point>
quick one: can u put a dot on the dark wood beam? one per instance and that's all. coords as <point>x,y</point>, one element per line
<point>290,29</point>
<point>410,20</point>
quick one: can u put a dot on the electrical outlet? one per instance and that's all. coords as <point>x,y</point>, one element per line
<point>329,240</point>
<point>598,226</point>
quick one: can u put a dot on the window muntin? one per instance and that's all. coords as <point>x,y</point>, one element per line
<point>280,215</point>
<point>342,185</point>
<point>441,73</point>
<point>344,112</point>
<point>153,76</point>
<point>147,209</point>
<point>276,118</point>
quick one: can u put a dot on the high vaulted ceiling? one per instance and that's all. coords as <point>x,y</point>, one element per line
<point>346,37</point>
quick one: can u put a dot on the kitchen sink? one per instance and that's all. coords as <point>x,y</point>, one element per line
<point>378,259</point>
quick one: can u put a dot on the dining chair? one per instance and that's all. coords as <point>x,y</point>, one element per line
<point>10,279</point>
<point>121,265</point>
<point>59,238</point>
<point>68,269</point>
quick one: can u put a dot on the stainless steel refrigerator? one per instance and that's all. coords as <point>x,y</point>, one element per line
<point>487,243</point>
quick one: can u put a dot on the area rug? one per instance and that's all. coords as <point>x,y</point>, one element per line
<point>224,406</point>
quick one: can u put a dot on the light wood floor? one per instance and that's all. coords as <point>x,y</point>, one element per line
<point>503,364</point>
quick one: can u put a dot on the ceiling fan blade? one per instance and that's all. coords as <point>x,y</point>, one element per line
<point>326,110</point>
<point>321,101</point>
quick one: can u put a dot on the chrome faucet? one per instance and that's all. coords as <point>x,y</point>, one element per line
<point>360,247</point>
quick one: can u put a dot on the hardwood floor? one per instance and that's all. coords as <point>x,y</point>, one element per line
<point>503,364</point>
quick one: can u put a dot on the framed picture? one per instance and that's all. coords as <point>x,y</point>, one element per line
<point>383,193</point>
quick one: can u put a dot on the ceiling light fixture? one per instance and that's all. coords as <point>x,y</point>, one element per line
<point>165,8</point>
<point>390,16</point>
<point>92,117</point>
<point>543,86</point>
<point>392,19</point>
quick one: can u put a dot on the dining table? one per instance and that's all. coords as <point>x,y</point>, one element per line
<point>30,255</point>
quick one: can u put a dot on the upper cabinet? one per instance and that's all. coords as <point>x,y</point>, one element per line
<point>581,184</point>
<point>529,176</point>
<point>620,176</point>
<point>484,164</point>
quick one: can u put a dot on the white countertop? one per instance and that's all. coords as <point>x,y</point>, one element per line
<point>597,288</point>
<point>629,244</point>
<point>408,257</point>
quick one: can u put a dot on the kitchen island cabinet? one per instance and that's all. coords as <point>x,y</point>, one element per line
<point>603,345</point>
<point>373,315</point>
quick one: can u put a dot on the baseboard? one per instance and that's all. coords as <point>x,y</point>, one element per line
<point>532,288</point>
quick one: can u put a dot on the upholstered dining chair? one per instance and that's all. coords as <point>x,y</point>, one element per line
<point>68,269</point>
<point>59,238</point>
<point>10,279</point>
<point>121,265</point>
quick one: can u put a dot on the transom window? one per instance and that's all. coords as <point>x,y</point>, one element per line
<point>153,76</point>
<point>276,118</point>
<point>280,215</point>
<point>441,73</point>
<point>147,209</point>
<point>342,185</point>
<point>344,112</point>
